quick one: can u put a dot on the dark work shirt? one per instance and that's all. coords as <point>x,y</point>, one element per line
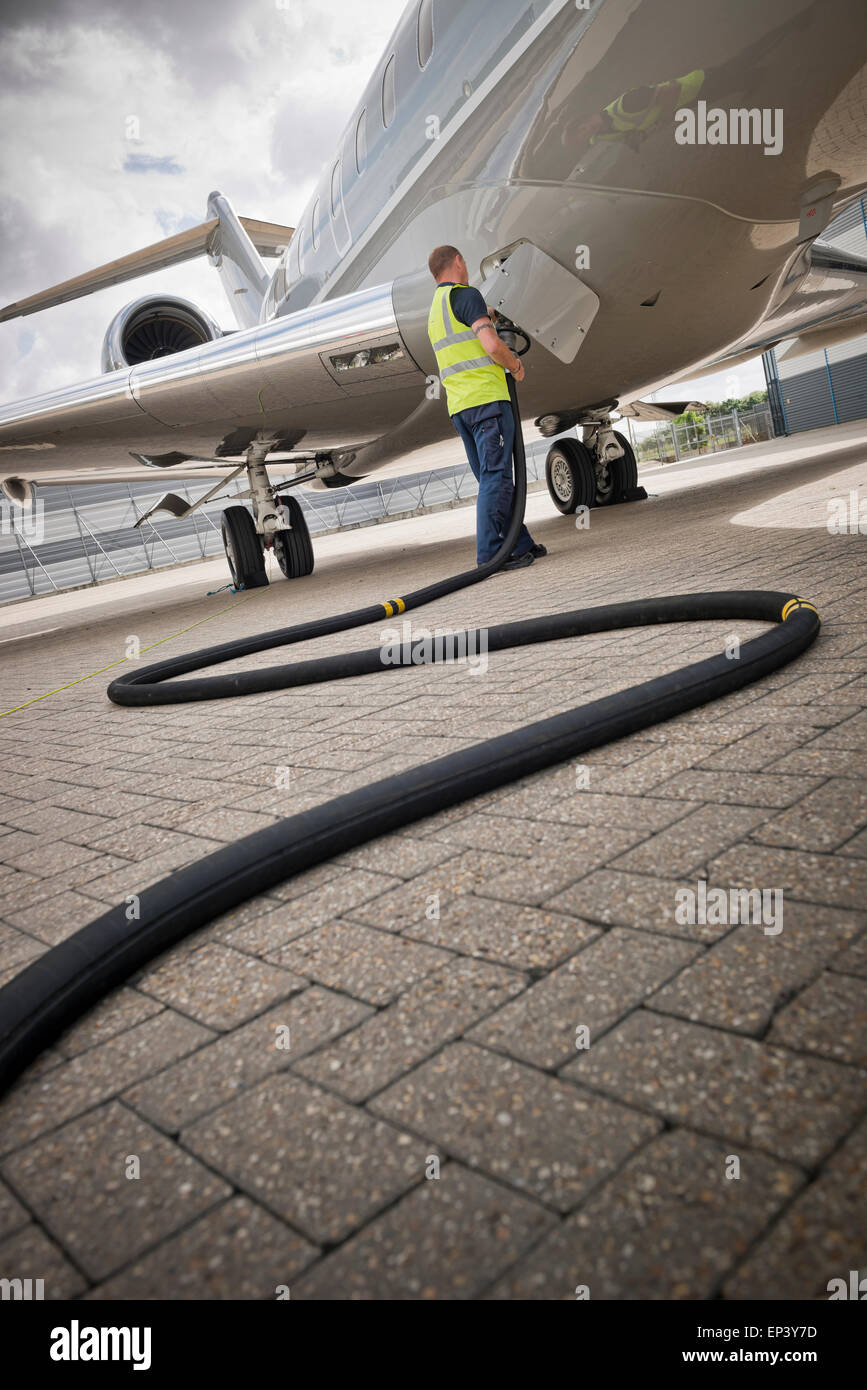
<point>469,306</point>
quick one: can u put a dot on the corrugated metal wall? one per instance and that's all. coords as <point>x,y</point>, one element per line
<point>848,231</point>
<point>847,368</point>
<point>829,386</point>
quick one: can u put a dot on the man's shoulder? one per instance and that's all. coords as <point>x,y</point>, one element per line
<point>468,304</point>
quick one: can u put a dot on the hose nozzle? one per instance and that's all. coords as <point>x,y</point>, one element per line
<point>511,334</point>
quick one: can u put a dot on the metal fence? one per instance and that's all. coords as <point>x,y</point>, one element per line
<point>710,434</point>
<point>79,535</point>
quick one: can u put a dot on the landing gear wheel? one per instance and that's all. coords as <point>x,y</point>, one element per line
<point>570,475</point>
<point>617,478</point>
<point>624,471</point>
<point>243,549</point>
<point>606,486</point>
<point>293,548</point>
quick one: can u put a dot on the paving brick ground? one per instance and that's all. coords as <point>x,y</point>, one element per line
<point>487,1056</point>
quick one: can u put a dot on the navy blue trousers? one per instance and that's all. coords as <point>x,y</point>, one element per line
<point>489,445</point>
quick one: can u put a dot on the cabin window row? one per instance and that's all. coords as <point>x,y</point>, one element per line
<point>425,44</point>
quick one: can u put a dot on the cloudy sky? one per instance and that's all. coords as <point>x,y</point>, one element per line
<point>248,96</point>
<point>118,120</point>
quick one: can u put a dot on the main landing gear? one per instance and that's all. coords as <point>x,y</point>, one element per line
<point>597,471</point>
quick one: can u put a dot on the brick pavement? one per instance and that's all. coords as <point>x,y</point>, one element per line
<point>482,1057</point>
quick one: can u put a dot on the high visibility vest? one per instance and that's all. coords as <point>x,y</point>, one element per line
<point>624,122</point>
<point>469,379</point>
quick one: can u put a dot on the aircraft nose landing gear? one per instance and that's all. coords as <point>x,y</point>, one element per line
<point>279,525</point>
<point>293,546</point>
<point>243,549</point>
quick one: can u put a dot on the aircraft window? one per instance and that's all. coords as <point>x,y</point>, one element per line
<point>361,142</point>
<point>335,189</point>
<point>278,286</point>
<point>314,225</point>
<point>425,32</point>
<point>389,101</point>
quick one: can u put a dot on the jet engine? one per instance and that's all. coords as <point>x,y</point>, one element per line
<point>149,328</point>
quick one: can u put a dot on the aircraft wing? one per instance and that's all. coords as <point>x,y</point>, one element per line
<point>658,410</point>
<point>339,373</point>
<point>269,238</point>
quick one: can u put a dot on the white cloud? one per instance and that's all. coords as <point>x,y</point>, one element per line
<point>737,381</point>
<point>248,96</point>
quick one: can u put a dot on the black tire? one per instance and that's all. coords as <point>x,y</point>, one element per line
<point>294,548</point>
<point>570,475</point>
<point>624,470</point>
<point>617,478</point>
<point>243,549</point>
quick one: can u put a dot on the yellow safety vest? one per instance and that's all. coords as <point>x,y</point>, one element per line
<point>468,378</point>
<point>625,122</point>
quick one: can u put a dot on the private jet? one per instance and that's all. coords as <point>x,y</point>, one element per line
<point>640,185</point>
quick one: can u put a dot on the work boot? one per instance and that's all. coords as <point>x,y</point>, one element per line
<point>518,562</point>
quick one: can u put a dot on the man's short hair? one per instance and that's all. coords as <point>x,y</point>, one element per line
<point>440,259</point>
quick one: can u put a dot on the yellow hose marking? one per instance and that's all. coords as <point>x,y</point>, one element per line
<point>795,603</point>
<point>123,659</point>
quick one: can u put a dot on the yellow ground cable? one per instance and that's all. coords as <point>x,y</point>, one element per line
<point>36,698</point>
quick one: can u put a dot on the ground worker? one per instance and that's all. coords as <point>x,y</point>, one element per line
<point>478,400</point>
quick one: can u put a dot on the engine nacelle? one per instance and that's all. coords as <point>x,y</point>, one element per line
<point>149,328</point>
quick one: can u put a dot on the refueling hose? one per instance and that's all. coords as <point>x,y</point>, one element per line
<point>57,988</point>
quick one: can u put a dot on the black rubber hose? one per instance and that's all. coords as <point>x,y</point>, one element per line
<point>146,687</point>
<point>52,992</point>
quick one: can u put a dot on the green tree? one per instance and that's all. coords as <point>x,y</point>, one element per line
<point>739,403</point>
